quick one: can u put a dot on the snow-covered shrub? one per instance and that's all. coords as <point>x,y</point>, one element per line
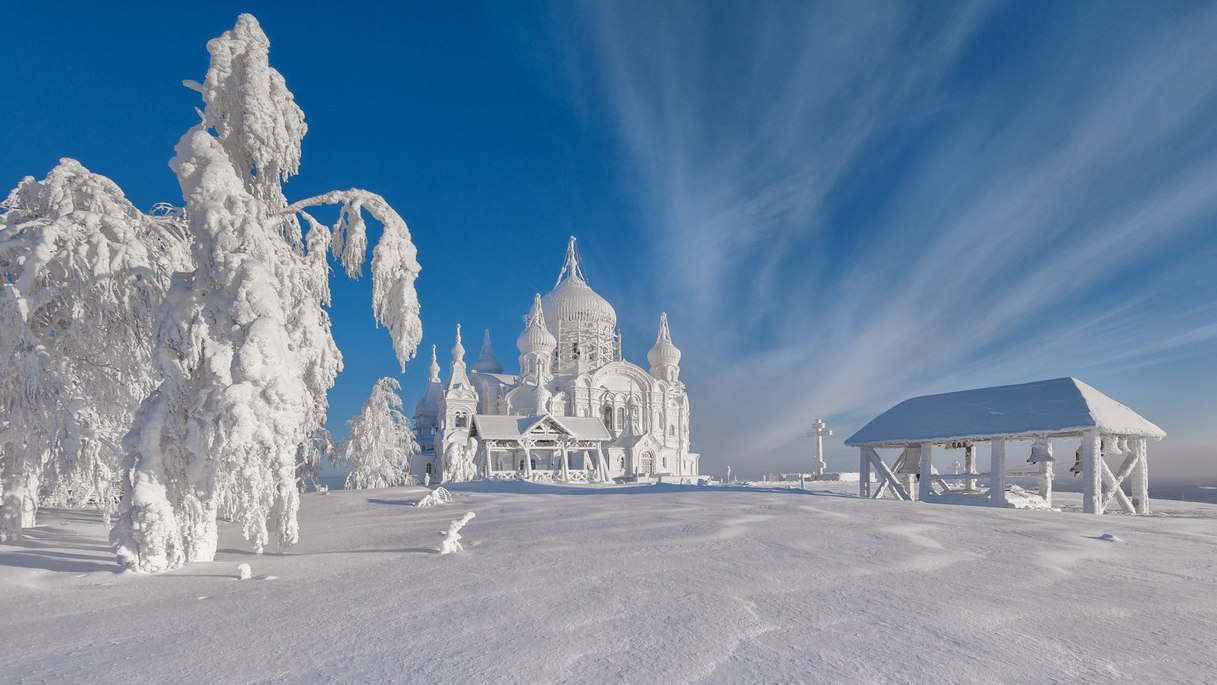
<point>380,445</point>
<point>452,536</point>
<point>244,572</point>
<point>436,497</point>
<point>82,272</point>
<point>243,348</point>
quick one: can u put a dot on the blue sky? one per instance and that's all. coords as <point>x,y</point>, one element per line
<point>840,205</point>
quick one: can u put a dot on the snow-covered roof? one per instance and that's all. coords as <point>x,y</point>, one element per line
<point>1053,407</point>
<point>514,427</point>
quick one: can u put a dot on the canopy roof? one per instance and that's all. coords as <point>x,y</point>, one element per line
<point>516,427</point>
<point>1061,406</point>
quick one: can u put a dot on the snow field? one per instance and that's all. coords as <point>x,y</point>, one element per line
<point>633,584</point>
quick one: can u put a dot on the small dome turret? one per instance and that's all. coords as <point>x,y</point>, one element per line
<point>536,338</point>
<point>664,353</point>
<point>664,356</point>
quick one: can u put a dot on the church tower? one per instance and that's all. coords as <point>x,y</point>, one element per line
<point>664,356</point>
<point>426,412</point>
<point>458,403</point>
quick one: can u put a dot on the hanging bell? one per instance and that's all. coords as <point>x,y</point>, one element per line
<point>1041,451</point>
<point>1112,448</point>
<point>1076,469</point>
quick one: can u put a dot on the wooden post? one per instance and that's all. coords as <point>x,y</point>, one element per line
<point>969,466</point>
<point>527,461</point>
<point>565,462</point>
<point>1092,475</point>
<point>1046,481</point>
<point>1140,477</point>
<point>925,488</point>
<point>997,468</point>
<point>863,473</point>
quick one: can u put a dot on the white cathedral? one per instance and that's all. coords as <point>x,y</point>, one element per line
<point>576,412</point>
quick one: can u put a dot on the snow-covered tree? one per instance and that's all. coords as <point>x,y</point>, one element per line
<point>458,466</point>
<point>243,346</point>
<point>320,446</point>
<point>380,445</point>
<point>82,272</point>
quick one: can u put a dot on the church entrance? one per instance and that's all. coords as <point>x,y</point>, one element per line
<point>647,464</point>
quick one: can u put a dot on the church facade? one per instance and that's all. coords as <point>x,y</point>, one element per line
<point>576,411</point>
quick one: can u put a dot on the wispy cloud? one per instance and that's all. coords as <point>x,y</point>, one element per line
<point>849,213</point>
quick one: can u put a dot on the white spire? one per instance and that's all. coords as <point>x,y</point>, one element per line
<point>458,350</point>
<point>571,268</point>
<point>486,361</point>
<point>434,368</point>
<point>458,377</point>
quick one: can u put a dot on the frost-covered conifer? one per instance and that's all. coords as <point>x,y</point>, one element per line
<point>243,346</point>
<point>380,445</point>
<point>82,272</point>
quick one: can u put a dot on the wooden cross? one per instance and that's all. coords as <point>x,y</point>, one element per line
<point>821,429</point>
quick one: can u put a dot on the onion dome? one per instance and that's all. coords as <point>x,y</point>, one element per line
<point>486,361</point>
<point>664,353</point>
<point>536,338</point>
<point>572,299</point>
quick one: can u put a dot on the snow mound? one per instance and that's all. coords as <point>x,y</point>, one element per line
<point>244,572</point>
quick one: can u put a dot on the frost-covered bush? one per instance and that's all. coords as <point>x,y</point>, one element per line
<point>243,349</point>
<point>380,445</point>
<point>436,497</point>
<point>82,272</point>
<point>452,536</point>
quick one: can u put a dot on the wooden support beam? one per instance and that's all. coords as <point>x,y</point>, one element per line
<point>863,473</point>
<point>925,487</point>
<point>888,477</point>
<point>969,466</point>
<point>1140,477</point>
<point>997,467</point>
<point>1113,490</point>
<point>1092,475</point>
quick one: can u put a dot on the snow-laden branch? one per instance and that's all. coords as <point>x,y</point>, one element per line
<point>395,265</point>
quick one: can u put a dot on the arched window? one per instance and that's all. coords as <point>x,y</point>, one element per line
<point>621,463</point>
<point>620,418</point>
<point>607,414</point>
<point>664,462</point>
<point>428,469</point>
<point>461,420</point>
<point>672,430</point>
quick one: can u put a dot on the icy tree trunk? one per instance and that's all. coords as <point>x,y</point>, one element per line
<point>20,504</point>
<point>997,472</point>
<point>1092,475</point>
<point>925,488</point>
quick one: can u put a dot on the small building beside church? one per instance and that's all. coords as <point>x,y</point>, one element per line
<point>576,411</point>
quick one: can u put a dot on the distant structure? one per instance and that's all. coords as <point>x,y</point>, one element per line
<point>821,430</point>
<point>576,411</point>
<point>1043,412</point>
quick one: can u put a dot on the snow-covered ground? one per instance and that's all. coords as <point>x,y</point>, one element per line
<point>632,584</point>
